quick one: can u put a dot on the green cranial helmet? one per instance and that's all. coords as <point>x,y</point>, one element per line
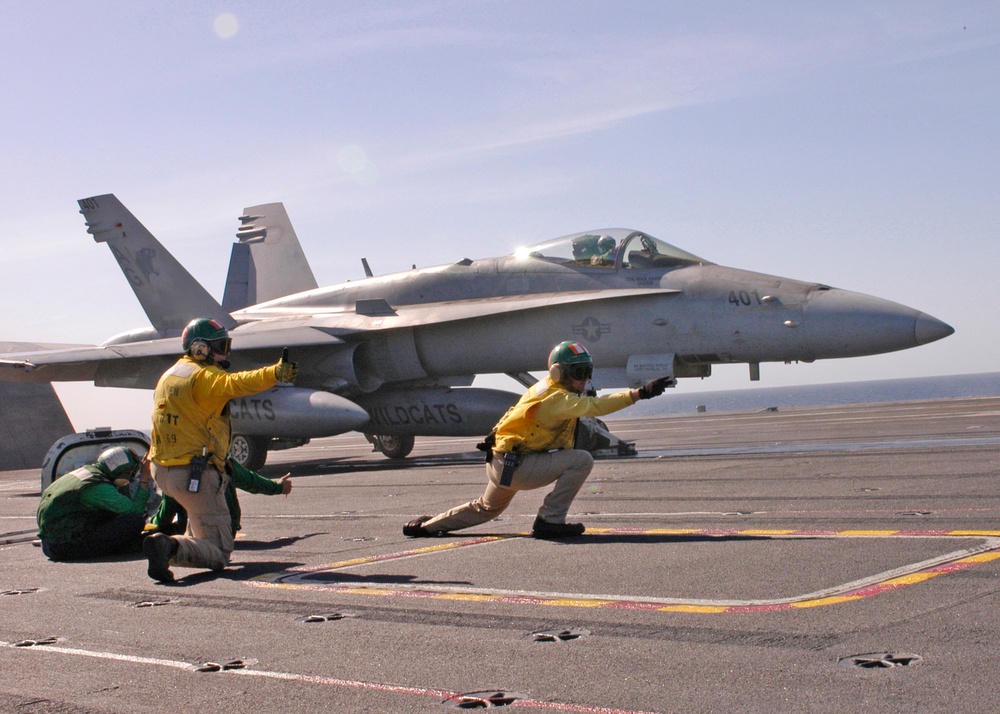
<point>570,352</point>
<point>119,463</point>
<point>209,331</point>
<point>570,362</point>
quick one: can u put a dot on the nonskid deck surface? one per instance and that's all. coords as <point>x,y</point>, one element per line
<point>806,559</point>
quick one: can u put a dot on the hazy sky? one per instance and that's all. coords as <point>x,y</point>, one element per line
<point>850,143</point>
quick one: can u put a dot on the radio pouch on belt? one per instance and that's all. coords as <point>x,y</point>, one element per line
<point>196,468</point>
<point>510,463</point>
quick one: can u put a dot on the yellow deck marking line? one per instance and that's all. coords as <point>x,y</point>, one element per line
<point>307,578</point>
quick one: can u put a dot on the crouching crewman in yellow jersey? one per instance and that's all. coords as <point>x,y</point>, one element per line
<point>191,436</point>
<point>533,446</point>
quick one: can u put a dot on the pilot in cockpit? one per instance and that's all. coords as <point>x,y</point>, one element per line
<point>605,252</point>
<point>594,250</point>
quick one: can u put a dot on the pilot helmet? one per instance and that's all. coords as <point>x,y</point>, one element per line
<point>119,464</point>
<point>570,360</point>
<point>605,244</point>
<point>204,336</point>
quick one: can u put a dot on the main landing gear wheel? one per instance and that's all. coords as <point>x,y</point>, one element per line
<point>250,452</point>
<point>395,447</point>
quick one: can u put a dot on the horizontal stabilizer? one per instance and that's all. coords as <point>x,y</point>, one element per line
<point>31,420</point>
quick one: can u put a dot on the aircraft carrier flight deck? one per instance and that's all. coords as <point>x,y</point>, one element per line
<point>820,559</point>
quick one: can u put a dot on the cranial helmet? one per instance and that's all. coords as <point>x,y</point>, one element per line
<point>570,360</point>
<point>204,336</point>
<point>119,462</point>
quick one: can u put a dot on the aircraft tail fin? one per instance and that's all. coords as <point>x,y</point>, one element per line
<point>267,261</point>
<point>167,292</point>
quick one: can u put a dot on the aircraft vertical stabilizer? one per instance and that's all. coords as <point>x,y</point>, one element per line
<point>267,261</point>
<point>168,293</point>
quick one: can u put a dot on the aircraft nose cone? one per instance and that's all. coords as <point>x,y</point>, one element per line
<point>842,323</point>
<point>930,329</point>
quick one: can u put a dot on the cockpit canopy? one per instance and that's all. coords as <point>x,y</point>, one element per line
<point>610,248</point>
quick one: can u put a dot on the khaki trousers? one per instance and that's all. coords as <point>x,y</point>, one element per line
<point>568,468</point>
<point>208,542</point>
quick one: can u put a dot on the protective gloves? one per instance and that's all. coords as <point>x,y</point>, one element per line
<point>656,387</point>
<point>286,371</point>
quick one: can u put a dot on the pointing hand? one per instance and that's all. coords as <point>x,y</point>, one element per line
<point>656,387</point>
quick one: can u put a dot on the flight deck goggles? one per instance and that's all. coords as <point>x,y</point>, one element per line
<point>221,346</point>
<point>581,372</point>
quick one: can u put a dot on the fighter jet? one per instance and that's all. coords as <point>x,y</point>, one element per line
<point>394,356</point>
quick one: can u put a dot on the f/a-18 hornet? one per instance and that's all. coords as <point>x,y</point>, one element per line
<point>395,356</point>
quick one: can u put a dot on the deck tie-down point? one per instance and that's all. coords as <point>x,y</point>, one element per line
<point>557,635</point>
<point>216,667</point>
<point>39,641</point>
<point>325,617</point>
<point>880,660</point>
<point>482,700</point>
<point>150,603</point>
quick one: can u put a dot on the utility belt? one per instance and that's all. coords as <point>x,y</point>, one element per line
<point>510,460</point>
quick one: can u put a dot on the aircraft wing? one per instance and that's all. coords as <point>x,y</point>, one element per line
<point>413,315</point>
<point>243,339</point>
<point>48,363</point>
<point>274,328</point>
<point>23,362</point>
<point>378,314</point>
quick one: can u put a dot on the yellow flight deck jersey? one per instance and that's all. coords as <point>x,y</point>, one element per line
<point>188,406</point>
<point>545,417</point>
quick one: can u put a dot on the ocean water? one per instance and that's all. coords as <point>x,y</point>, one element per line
<point>678,401</point>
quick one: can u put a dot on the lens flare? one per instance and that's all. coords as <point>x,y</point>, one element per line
<point>353,161</point>
<point>226,25</point>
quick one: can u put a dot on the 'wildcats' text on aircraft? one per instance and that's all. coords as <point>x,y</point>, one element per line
<point>394,356</point>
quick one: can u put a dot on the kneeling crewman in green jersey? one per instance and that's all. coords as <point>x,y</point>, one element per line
<point>171,518</point>
<point>191,438</point>
<point>86,514</point>
<point>532,446</point>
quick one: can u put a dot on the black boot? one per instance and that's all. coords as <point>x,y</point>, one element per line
<point>415,528</point>
<point>544,529</point>
<point>158,549</point>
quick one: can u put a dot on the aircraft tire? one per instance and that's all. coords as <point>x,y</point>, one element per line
<point>395,447</point>
<point>249,451</point>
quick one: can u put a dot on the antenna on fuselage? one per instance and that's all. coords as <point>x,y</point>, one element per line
<point>368,270</point>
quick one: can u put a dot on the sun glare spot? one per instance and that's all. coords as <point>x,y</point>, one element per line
<point>353,161</point>
<point>226,25</point>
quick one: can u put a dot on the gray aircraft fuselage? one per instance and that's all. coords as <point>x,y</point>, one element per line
<point>396,354</point>
<point>700,312</point>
